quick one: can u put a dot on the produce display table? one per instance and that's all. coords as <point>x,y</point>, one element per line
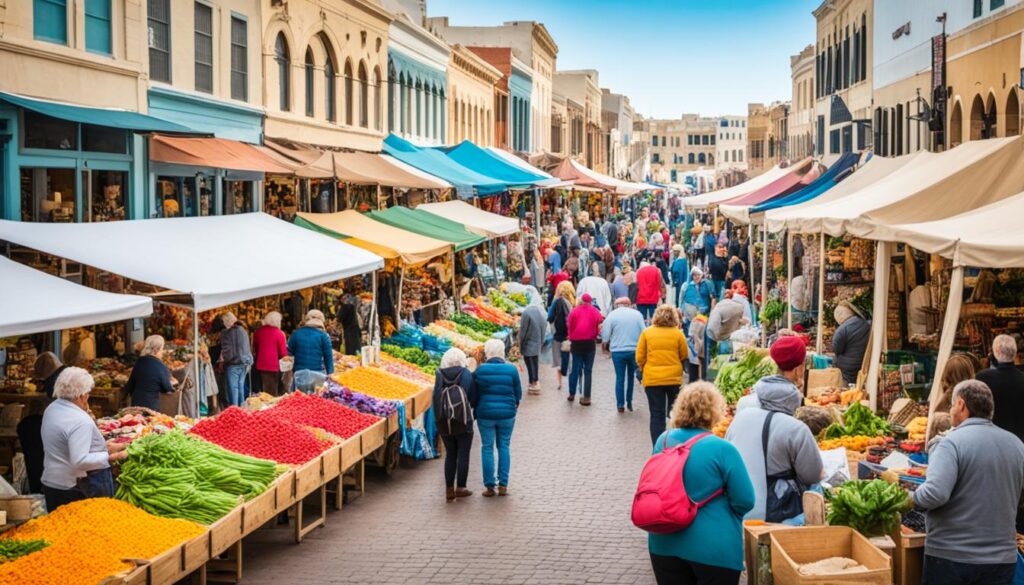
<point>908,561</point>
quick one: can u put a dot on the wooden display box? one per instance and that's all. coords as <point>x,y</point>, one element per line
<point>308,477</point>
<point>351,453</point>
<point>195,552</point>
<point>257,511</point>
<point>421,402</point>
<point>136,576</point>
<point>792,548</point>
<point>284,487</point>
<point>226,532</point>
<point>166,568</point>
<point>332,462</point>
<point>391,424</point>
<point>373,437</point>
<point>754,537</point>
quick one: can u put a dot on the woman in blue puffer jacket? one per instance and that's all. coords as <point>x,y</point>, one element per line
<point>496,394</point>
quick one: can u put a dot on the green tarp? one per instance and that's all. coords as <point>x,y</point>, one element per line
<point>430,225</point>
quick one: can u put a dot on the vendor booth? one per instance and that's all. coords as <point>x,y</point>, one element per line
<point>468,182</point>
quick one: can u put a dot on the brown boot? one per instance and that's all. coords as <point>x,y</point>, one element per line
<point>488,493</point>
<point>463,492</point>
<point>449,494</point>
<point>584,401</point>
<point>502,490</point>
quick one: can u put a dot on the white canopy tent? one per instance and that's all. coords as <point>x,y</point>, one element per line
<point>621,187</point>
<point>703,201</point>
<point>478,221</point>
<point>216,260</point>
<point>552,182</point>
<point>36,302</point>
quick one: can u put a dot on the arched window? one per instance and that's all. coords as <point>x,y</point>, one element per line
<point>1012,114</point>
<point>364,97</point>
<point>309,81</point>
<point>330,90</point>
<point>378,114</point>
<point>392,96</point>
<point>284,94</point>
<point>349,94</point>
<point>701,159</point>
<point>690,159</point>
<point>956,126</point>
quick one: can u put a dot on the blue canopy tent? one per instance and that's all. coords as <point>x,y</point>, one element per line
<point>483,161</point>
<point>837,172</point>
<point>467,181</point>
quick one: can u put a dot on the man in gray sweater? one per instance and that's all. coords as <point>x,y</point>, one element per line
<point>975,476</point>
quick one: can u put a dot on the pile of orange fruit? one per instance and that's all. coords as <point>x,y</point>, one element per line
<point>378,383</point>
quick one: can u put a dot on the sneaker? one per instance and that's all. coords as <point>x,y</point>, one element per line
<point>584,401</point>
<point>488,493</point>
<point>502,490</point>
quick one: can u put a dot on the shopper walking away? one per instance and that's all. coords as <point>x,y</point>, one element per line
<point>975,477</point>
<point>311,346</point>
<point>680,271</point>
<point>496,395</point>
<point>850,341</point>
<point>150,377</point>
<point>236,356</point>
<point>584,324</point>
<point>76,462</point>
<point>558,316</point>
<point>621,332</point>
<point>532,326</point>
<point>268,347</point>
<point>453,413</point>
<point>1007,385</point>
<point>660,354</point>
<point>599,291</point>
<point>650,289</point>
<point>710,550</point>
<point>779,451</point>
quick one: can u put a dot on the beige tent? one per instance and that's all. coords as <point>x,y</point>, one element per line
<point>744,188</point>
<point>379,238</point>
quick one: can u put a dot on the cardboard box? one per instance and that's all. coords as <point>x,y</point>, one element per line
<point>18,508</point>
<point>792,548</point>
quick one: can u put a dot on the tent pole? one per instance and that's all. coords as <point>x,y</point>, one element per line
<point>455,291</point>
<point>750,271</point>
<point>948,335</point>
<point>195,348</point>
<point>789,280</point>
<point>401,283</point>
<point>883,257</point>
<point>374,325</point>
<point>821,292</point>
<point>764,284</point>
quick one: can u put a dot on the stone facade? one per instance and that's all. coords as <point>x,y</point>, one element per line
<point>678,146</point>
<point>801,111</point>
<point>471,82</point>
<point>843,70</point>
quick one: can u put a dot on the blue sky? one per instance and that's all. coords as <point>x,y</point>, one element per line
<point>669,56</point>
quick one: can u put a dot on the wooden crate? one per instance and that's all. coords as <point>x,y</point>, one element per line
<point>166,568</point>
<point>351,453</point>
<point>792,548</point>
<point>391,424</point>
<point>257,511</point>
<point>332,462</point>
<point>373,437</point>
<point>308,477</point>
<point>755,537</point>
<point>137,576</point>
<point>284,486</point>
<point>422,401</point>
<point>195,552</point>
<point>226,532</point>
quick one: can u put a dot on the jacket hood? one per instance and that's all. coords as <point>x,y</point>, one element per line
<point>777,394</point>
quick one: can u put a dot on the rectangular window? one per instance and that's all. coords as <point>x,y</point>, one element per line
<point>655,136</point>
<point>996,4</point>
<point>204,47</point>
<point>821,135</point>
<point>239,60</point>
<point>50,20</point>
<point>49,133</point>
<point>104,139</point>
<point>97,26</point>
<point>833,141</point>
<point>159,40</point>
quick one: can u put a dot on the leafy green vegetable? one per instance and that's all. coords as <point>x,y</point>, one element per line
<point>414,355</point>
<point>869,507</point>
<point>476,324</point>
<point>858,420</point>
<point>11,548</point>
<point>735,377</point>
<point>773,310</point>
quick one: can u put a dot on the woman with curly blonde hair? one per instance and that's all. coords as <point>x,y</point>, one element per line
<point>558,316</point>
<point>711,549</point>
<point>660,354</point>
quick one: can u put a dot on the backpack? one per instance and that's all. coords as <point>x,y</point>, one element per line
<point>455,408</point>
<point>661,504</point>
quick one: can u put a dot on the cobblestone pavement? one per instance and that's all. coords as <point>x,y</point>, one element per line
<point>566,520</point>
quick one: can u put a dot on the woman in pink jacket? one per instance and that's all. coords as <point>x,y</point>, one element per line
<point>584,326</point>
<point>268,347</point>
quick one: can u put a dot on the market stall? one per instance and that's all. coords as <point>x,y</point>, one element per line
<point>467,182</point>
<point>700,202</point>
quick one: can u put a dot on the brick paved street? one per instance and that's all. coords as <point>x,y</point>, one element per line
<point>574,470</point>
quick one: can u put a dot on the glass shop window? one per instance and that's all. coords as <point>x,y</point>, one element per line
<point>47,195</point>
<point>49,133</point>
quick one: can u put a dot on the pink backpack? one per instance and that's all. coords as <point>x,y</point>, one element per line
<point>661,505</point>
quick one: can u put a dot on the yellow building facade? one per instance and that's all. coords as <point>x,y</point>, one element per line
<point>471,97</point>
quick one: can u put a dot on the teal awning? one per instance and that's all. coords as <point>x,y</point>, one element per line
<point>122,119</point>
<point>430,225</point>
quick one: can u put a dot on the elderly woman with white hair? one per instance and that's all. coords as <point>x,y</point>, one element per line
<point>76,460</point>
<point>453,412</point>
<point>268,347</point>
<point>496,394</point>
<point>236,355</point>
<point>150,377</point>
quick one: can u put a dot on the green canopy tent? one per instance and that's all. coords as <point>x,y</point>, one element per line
<point>430,225</point>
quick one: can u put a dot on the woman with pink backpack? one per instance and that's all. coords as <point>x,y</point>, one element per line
<point>693,494</point>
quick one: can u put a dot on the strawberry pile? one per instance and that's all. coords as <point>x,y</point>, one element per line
<point>263,437</point>
<point>314,411</point>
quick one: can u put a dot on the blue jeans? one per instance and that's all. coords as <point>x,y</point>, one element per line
<point>647,311</point>
<point>491,431</point>
<point>719,288</point>
<point>235,377</point>
<point>938,571</point>
<point>582,366</point>
<point>625,370</point>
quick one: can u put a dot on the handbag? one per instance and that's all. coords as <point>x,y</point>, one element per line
<point>566,346</point>
<point>785,494</point>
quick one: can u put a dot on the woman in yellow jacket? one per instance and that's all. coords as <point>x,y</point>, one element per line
<point>660,355</point>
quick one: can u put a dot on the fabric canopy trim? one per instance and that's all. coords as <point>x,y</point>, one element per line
<point>411,247</point>
<point>258,255</point>
<point>706,199</point>
<point>550,182</point>
<point>478,221</point>
<point>875,169</point>
<point>570,170</point>
<point>110,118</point>
<point>473,157</point>
<point>801,176</point>
<point>359,168</point>
<point>466,181</point>
<point>430,225</point>
<point>37,302</point>
<point>217,153</point>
